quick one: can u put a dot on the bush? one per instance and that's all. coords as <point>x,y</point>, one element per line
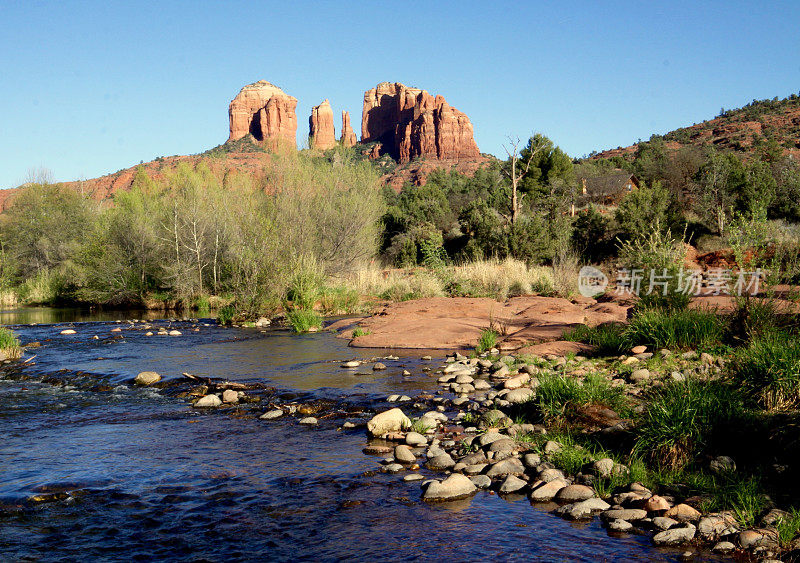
<point>302,320</point>
<point>658,328</point>
<point>768,369</point>
<point>686,418</point>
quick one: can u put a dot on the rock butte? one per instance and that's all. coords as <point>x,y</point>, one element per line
<point>266,112</point>
<point>320,126</point>
<point>410,123</point>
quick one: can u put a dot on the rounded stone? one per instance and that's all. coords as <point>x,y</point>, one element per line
<point>147,378</point>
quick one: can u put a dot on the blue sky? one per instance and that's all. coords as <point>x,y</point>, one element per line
<point>87,88</point>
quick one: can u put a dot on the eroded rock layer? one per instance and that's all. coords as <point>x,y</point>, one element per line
<point>411,123</point>
<point>266,112</point>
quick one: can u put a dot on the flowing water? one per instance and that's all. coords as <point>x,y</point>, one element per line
<point>137,474</point>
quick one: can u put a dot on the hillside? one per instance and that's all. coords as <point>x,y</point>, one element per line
<point>741,130</point>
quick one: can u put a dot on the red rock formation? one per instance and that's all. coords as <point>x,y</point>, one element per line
<point>411,123</point>
<point>348,135</point>
<point>266,112</point>
<point>320,126</point>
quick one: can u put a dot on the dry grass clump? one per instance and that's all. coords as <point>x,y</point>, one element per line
<point>395,285</point>
<point>503,278</point>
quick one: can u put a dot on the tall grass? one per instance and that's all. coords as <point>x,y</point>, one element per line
<point>9,343</point>
<point>487,341</point>
<point>608,339</point>
<point>768,369</point>
<point>660,328</point>
<point>559,397</point>
<point>684,418</point>
<point>303,320</point>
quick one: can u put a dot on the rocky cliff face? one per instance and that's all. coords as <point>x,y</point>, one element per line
<point>266,112</point>
<point>410,123</point>
<point>348,135</point>
<point>320,126</point>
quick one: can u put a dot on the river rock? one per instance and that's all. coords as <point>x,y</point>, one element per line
<point>393,420</point>
<point>750,539</point>
<point>489,437</point>
<point>683,513</point>
<point>230,396</point>
<point>271,415</point>
<point>722,465</point>
<point>456,486</point>
<point>551,447</point>
<point>618,525</point>
<point>531,460</point>
<point>504,445</point>
<point>67,331</point>
<point>604,467</point>
<point>440,462</point>
<point>378,366</point>
<point>393,468</point>
<point>656,504</point>
<point>547,491</point>
<point>351,364</point>
<point>415,439</point>
<point>638,350</point>
<point>208,401</point>
<point>675,536</point>
<point>516,396</point>
<point>551,474</point>
<point>147,378</point>
<point>510,466</point>
<point>517,381</point>
<point>573,493</point>
<point>629,514</point>
<point>583,509</point>
<point>664,523</point>
<point>723,547</point>
<point>175,333</point>
<point>481,481</point>
<point>640,375</point>
<point>512,484</point>
<point>716,525</point>
<point>403,454</point>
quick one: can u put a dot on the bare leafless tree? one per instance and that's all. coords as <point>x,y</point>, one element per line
<point>518,170</point>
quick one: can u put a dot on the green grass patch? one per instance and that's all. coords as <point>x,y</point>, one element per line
<point>9,343</point>
<point>659,328</point>
<point>302,320</point>
<point>684,419</point>
<point>358,331</point>
<point>788,527</point>
<point>487,341</point>
<point>226,314</point>
<point>768,369</point>
<point>558,398</point>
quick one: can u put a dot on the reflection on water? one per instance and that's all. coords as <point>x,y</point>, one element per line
<point>40,315</point>
<point>145,477</point>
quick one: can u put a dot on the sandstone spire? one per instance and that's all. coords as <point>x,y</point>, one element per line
<point>348,135</point>
<point>320,126</point>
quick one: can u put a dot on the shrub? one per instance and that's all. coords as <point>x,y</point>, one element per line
<point>487,341</point>
<point>338,300</point>
<point>302,320</point>
<point>608,339</point>
<point>358,331</point>
<point>658,328</point>
<point>768,369</point>
<point>202,304</point>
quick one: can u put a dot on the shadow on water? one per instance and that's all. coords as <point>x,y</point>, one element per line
<point>137,474</point>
